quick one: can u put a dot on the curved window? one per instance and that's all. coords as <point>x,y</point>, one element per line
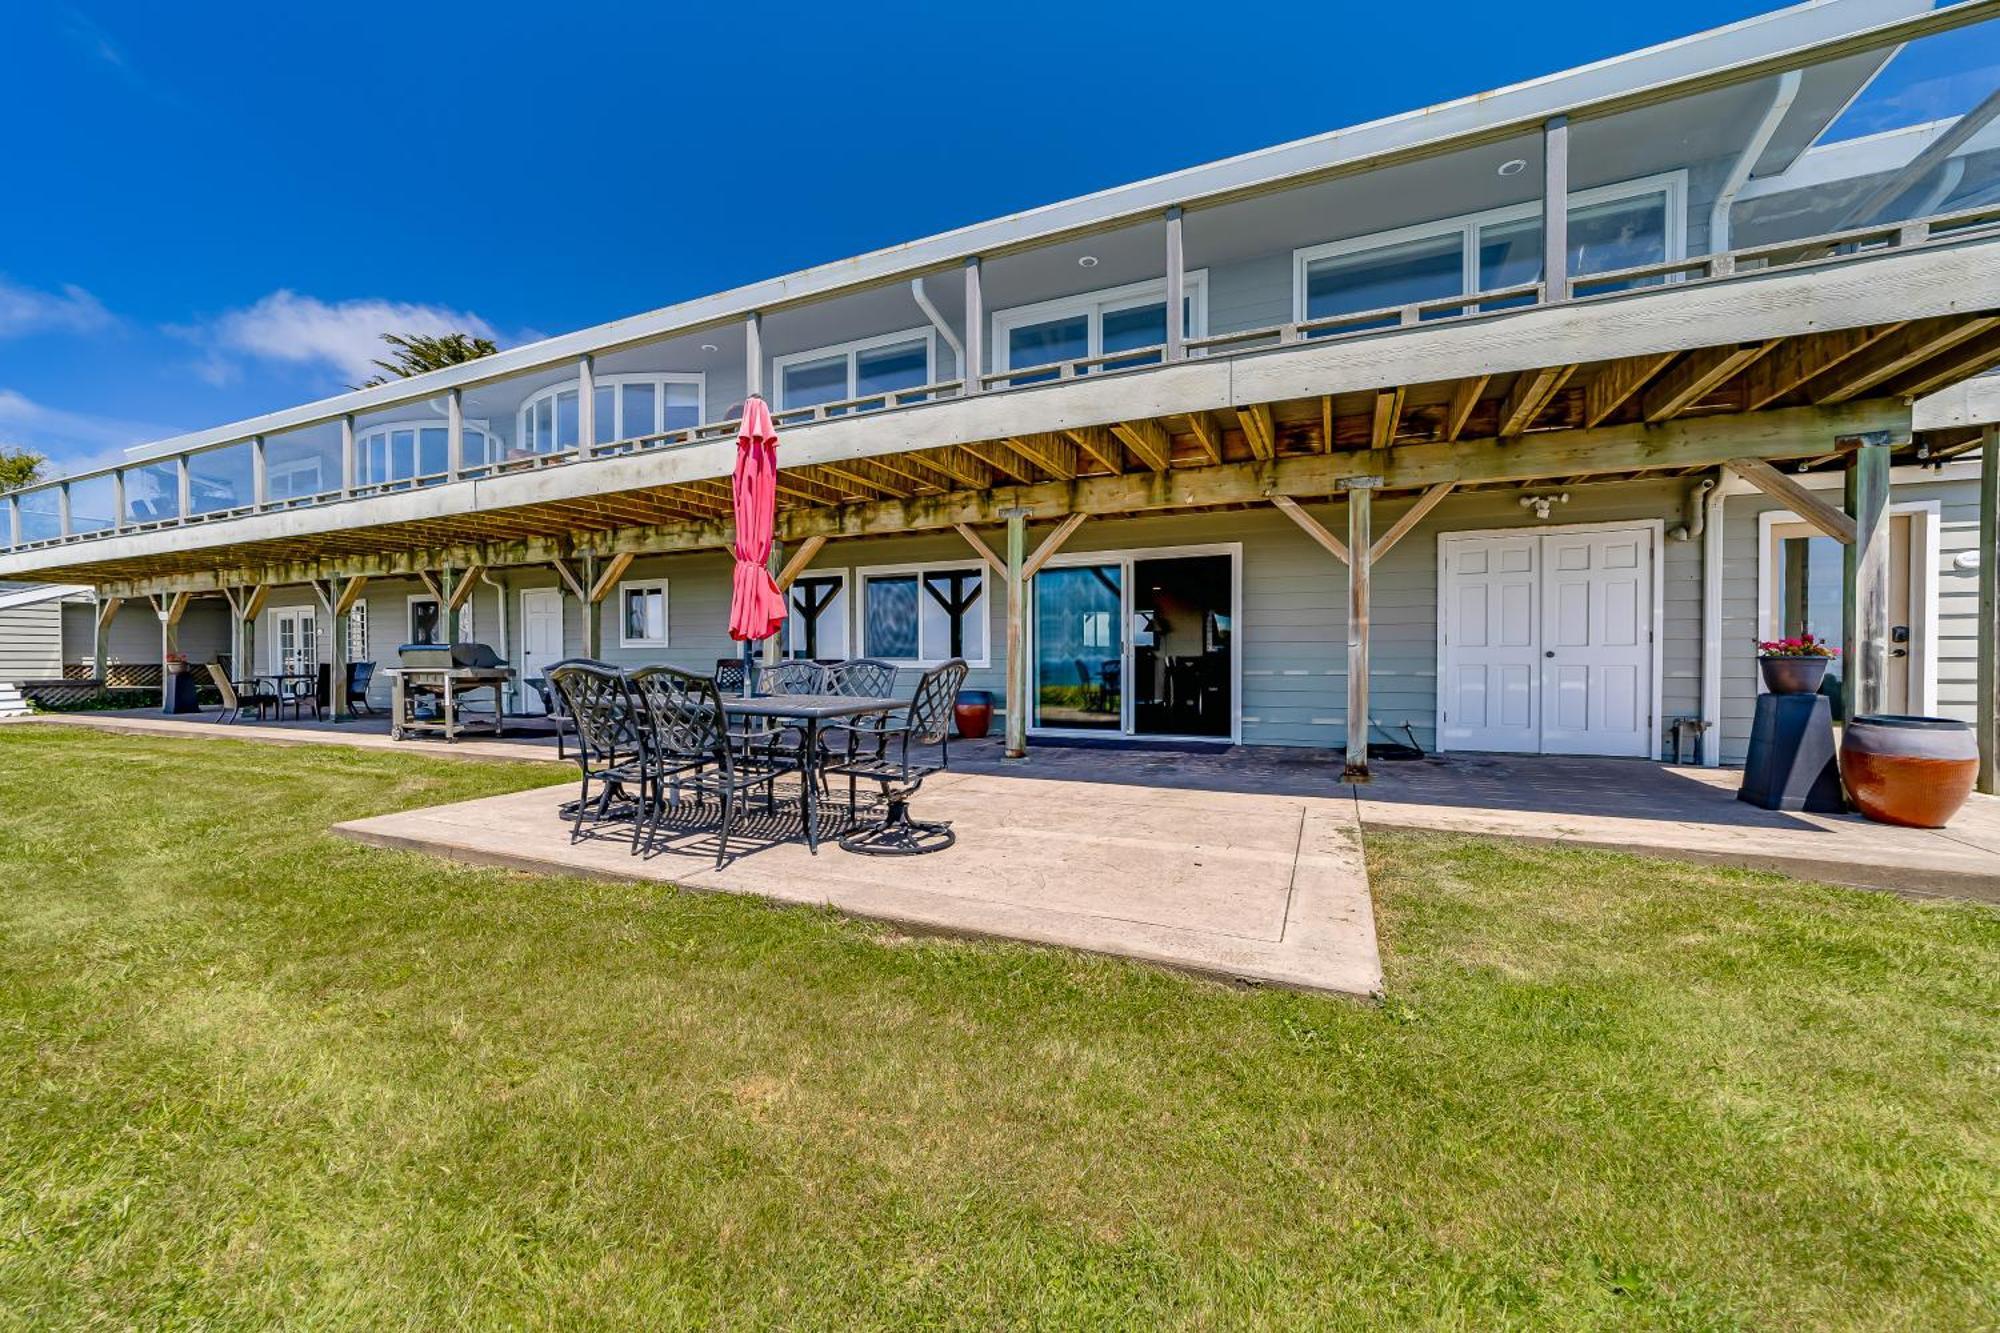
<point>405,450</point>
<point>628,407</point>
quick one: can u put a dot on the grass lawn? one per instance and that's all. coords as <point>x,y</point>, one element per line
<point>252,1073</point>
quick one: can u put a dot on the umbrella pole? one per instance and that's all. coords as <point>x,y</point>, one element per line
<point>749,665</point>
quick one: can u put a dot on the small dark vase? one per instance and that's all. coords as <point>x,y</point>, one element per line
<point>1793,675</point>
<point>973,712</point>
<point>1913,771</point>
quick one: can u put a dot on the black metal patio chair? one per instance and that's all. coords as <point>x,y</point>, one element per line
<point>860,677</point>
<point>238,695</point>
<point>689,747</point>
<point>915,745</point>
<point>359,676</point>
<point>600,705</point>
<point>729,675</point>
<point>792,677</point>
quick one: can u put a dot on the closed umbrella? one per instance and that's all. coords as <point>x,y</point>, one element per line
<point>756,607</point>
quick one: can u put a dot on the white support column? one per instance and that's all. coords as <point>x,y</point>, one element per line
<point>1986,627</point>
<point>347,454</point>
<point>336,671</point>
<point>260,472</point>
<point>184,478</point>
<point>1017,619</point>
<point>1360,563</point>
<point>13,520</point>
<point>1866,570</point>
<point>454,432</point>
<point>753,354</point>
<point>64,523</point>
<point>1176,288</point>
<point>1555,208</point>
<point>586,402</point>
<point>118,515</point>
<point>1711,630</point>
<point>975,328</point>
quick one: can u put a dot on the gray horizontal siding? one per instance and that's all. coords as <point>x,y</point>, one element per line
<point>31,642</point>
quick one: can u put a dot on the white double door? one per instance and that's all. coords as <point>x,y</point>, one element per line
<point>1546,641</point>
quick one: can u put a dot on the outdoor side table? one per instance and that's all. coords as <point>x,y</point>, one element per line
<point>1793,764</point>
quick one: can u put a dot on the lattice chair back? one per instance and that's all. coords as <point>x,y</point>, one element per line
<point>861,677</point>
<point>930,707</point>
<point>599,705</point>
<point>684,715</point>
<point>791,678</point>
<point>729,675</point>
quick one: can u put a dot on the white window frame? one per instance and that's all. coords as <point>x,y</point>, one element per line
<point>666,613</point>
<point>410,616</point>
<point>1095,306</point>
<point>850,350</point>
<point>659,379</point>
<point>1467,225</point>
<point>296,467</point>
<point>846,596</point>
<point>356,627</point>
<point>364,475</point>
<point>857,630</point>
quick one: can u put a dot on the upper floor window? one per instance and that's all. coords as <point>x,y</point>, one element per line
<point>398,451</point>
<point>855,370</point>
<point>628,407</point>
<point>1119,319</point>
<point>1613,227</point>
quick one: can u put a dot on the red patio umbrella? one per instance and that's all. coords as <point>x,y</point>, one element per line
<point>756,608</point>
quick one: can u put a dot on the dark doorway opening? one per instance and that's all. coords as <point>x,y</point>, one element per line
<point>1182,640</point>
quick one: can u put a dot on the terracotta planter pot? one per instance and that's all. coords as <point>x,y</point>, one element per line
<point>973,712</point>
<point>1793,675</point>
<point>1914,771</point>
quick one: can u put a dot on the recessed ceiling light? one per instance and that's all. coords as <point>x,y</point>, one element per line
<point>710,347</point>
<point>1087,261</point>
<point>1513,166</point>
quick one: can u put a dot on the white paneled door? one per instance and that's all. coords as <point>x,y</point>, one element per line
<point>1547,642</point>
<point>541,639</point>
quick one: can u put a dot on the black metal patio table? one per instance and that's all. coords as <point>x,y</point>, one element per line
<point>810,712</point>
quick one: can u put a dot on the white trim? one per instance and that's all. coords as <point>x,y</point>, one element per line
<point>409,616</point>
<point>1094,306</point>
<point>659,379</point>
<point>780,364</point>
<point>990,591</point>
<point>1714,543</point>
<point>1124,557</point>
<point>271,638</point>
<point>666,613</point>
<point>518,650</point>
<point>364,475</point>
<point>845,608</point>
<point>1926,524</point>
<point>1467,225</point>
<point>1656,528</point>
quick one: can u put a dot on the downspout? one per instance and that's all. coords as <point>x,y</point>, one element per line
<point>506,648</point>
<point>1697,511</point>
<point>1739,175</point>
<point>937,322</point>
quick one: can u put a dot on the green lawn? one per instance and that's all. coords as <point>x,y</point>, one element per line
<point>251,1073</point>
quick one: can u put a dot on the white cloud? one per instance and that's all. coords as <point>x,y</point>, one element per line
<point>24,310</point>
<point>74,441</point>
<point>345,336</point>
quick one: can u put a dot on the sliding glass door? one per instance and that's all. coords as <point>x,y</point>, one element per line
<point>1079,649</point>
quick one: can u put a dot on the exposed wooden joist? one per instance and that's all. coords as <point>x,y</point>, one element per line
<point>978,543</point>
<point>1148,440</point>
<point>1207,435</point>
<point>1387,418</point>
<point>1311,526</point>
<point>1098,444</point>
<point>1052,544</point>
<point>1051,453</point>
<point>800,561</point>
<point>1004,461</point>
<point>1697,375</point>
<point>960,466</point>
<point>857,473</point>
<point>350,593</point>
<point>1464,398</point>
<point>1893,356</point>
<point>1325,439</point>
<point>1412,516</point>
<point>1532,392</point>
<point>1829,519</point>
<point>1259,429</point>
<point>607,578</point>
<point>1615,383</point>
<point>1787,367</point>
<point>1960,363</point>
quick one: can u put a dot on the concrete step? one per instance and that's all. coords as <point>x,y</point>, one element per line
<point>11,702</point>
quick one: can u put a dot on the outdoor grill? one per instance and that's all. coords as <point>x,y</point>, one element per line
<point>435,688</point>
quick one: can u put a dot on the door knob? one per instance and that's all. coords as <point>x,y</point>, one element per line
<point>1899,652</point>
<point>1550,653</point>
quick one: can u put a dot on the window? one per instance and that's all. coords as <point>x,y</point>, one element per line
<point>924,614</point>
<point>628,407</point>
<point>425,626</point>
<point>642,614</point>
<point>1614,227</point>
<point>1097,324</point>
<point>357,633</point>
<point>407,450</point>
<point>855,370</point>
<point>292,480</point>
<point>817,624</point>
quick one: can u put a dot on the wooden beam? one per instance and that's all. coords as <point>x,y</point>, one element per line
<point>1004,461</point>
<point>1412,516</point>
<point>177,607</point>
<point>107,611</point>
<point>1360,581</point>
<point>1051,453</point>
<point>1960,363</point>
<point>562,568</point>
<point>1206,434</point>
<point>1532,391</point>
<point>1616,381</point>
<point>978,543</point>
<point>1388,416</point>
<point>323,593</point>
<point>350,593</point>
<point>1865,571</point>
<point>1465,397</point>
<point>430,583</point>
<point>1098,444</point>
<point>801,560</point>
<point>1326,423</point>
<point>1797,360</point>
<point>1259,429</point>
<point>1147,439</point>
<point>1698,374</point>
<point>960,466</point>
<point>1827,518</point>
<point>254,599</point>
<point>1312,527</point>
<point>463,586</point>
<point>1017,634</point>
<point>1893,356</point>
<point>614,570</point>
<point>1052,544</point>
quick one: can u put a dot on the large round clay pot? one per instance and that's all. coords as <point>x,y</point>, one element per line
<point>1793,675</point>
<point>1914,771</point>
<point>973,712</point>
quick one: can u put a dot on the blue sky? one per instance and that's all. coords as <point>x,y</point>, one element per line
<point>212,208</point>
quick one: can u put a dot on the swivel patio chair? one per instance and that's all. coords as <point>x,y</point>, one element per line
<point>689,747</point>
<point>359,676</point>
<point>599,703</point>
<point>238,694</point>
<point>792,677</point>
<point>906,759</point>
<point>860,677</point>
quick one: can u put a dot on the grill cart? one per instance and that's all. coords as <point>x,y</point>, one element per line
<point>437,687</point>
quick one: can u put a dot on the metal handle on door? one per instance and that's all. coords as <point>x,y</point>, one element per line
<point>1550,653</point>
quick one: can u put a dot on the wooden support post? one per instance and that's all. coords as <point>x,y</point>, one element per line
<point>253,601</point>
<point>1311,526</point>
<point>975,328</point>
<point>1986,627</point>
<point>978,543</point>
<point>1017,621</point>
<point>614,570</point>
<point>448,603</point>
<point>235,633</point>
<point>801,560</point>
<point>107,612</point>
<point>1414,515</point>
<point>1176,288</point>
<point>1052,544</point>
<point>570,581</point>
<point>170,624</point>
<point>1555,209</point>
<point>1828,519</point>
<point>336,655</point>
<point>351,591</point>
<point>593,612</point>
<point>1866,582</point>
<point>1360,546</point>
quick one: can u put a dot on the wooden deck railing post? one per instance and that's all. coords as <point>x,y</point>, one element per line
<point>975,329</point>
<point>1360,563</point>
<point>1017,613</point>
<point>1555,209</point>
<point>1986,628</point>
<point>1176,288</point>
<point>1865,569</point>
